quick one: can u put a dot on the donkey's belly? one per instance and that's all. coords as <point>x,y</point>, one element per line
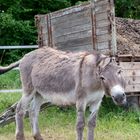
<point>60,98</point>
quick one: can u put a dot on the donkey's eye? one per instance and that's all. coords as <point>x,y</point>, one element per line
<point>119,72</point>
<point>102,78</point>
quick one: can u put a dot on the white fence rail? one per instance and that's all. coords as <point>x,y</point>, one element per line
<point>16,47</point>
<point>11,91</point>
<point>19,47</point>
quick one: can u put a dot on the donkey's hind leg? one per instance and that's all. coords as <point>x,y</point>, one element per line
<point>20,111</point>
<point>34,112</point>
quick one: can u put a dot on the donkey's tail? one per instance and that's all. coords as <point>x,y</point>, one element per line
<point>8,68</point>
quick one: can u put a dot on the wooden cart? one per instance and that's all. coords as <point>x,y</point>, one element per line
<point>84,27</point>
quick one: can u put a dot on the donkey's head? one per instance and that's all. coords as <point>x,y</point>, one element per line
<point>112,80</point>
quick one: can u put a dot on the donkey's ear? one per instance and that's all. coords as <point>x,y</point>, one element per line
<point>99,59</point>
<point>102,60</point>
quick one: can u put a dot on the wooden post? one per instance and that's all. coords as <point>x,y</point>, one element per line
<point>113,27</point>
<point>103,26</point>
<point>93,18</point>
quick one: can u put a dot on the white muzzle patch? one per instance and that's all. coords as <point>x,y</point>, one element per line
<point>117,90</point>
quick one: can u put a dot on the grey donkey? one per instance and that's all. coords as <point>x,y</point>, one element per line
<point>66,78</point>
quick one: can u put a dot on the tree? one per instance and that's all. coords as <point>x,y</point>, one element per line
<point>128,8</point>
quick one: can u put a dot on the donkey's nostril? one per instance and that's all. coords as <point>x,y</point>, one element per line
<point>119,98</point>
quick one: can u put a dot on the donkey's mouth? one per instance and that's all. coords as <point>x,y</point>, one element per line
<point>118,95</point>
<point>120,102</point>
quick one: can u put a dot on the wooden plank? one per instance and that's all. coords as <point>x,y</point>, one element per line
<point>78,48</point>
<point>40,29</point>
<point>130,65</point>
<point>93,23</point>
<point>70,17</point>
<point>74,42</point>
<point>59,32</point>
<point>44,29</point>
<point>102,30</point>
<point>132,88</point>
<point>101,16</point>
<point>44,42</point>
<point>134,94</point>
<point>44,36</point>
<point>104,51</point>
<point>103,38</point>
<point>69,11</point>
<point>129,58</point>
<point>126,59</point>
<point>102,23</point>
<point>102,8</point>
<point>113,27</point>
<point>101,2</point>
<point>130,80</point>
<point>128,55</point>
<point>103,45</point>
<point>43,20</point>
<point>72,23</point>
<point>74,35</point>
<point>132,72</point>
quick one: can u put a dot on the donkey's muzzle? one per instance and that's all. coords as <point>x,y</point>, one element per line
<point>120,99</point>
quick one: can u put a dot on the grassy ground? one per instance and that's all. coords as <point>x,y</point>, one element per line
<point>56,124</point>
<point>10,80</point>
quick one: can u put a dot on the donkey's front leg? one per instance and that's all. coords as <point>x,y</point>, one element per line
<point>91,125</point>
<point>80,119</point>
<point>92,120</point>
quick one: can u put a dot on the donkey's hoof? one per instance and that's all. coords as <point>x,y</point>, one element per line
<point>20,136</point>
<point>38,137</point>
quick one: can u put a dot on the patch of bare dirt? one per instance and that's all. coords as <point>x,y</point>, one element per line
<point>128,36</point>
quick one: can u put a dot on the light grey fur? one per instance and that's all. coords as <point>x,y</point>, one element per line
<point>65,79</point>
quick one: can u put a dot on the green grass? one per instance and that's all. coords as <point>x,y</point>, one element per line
<point>56,124</point>
<point>113,123</point>
<point>6,100</point>
<point>10,80</point>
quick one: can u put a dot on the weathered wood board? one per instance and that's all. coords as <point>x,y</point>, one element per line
<point>131,72</point>
<point>84,27</point>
